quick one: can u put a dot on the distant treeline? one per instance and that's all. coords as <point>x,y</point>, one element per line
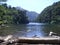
<point>51,14</point>
<point>13,15</point>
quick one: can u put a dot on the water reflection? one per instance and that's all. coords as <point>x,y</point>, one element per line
<point>30,29</point>
<point>52,27</point>
<point>34,30</point>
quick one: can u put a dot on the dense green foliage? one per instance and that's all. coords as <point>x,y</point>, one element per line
<point>13,15</point>
<point>51,14</point>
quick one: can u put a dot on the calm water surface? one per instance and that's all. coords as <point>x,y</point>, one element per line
<point>29,30</point>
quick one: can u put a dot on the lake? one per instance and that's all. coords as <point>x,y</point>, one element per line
<point>30,30</point>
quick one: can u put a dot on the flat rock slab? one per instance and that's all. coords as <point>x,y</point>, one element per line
<point>33,40</point>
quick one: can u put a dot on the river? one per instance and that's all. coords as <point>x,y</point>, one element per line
<point>30,30</point>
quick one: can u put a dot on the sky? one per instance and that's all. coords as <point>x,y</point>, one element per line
<point>31,5</point>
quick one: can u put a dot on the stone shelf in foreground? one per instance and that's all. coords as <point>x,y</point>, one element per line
<point>33,40</point>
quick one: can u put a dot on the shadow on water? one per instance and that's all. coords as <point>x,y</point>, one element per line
<point>30,30</point>
<point>51,27</point>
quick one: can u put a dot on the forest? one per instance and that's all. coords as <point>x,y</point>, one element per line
<point>50,14</point>
<point>12,15</point>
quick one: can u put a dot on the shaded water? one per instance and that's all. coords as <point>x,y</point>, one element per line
<point>29,30</point>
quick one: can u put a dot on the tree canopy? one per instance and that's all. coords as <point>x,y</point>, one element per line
<point>51,14</point>
<point>13,15</point>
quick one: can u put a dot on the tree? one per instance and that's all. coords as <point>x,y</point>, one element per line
<point>10,14</point>
<point>51,14</point>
